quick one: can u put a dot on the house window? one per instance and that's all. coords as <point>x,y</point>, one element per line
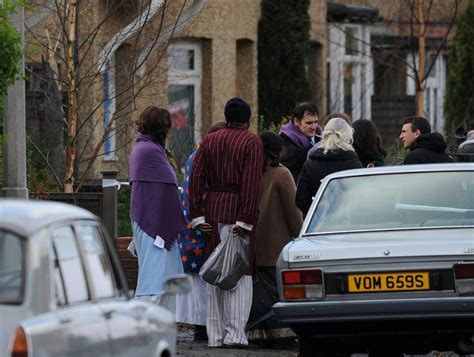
<point>435,88</point>
<point>108,77</point>
<point>350,70</point>
<point>184,98</point>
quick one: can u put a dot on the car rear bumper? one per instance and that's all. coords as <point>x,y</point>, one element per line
<point>373,310</point>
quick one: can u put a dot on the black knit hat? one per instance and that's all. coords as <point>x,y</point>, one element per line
<point>237,110</point>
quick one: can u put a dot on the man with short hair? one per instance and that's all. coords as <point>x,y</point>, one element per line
<point>425,147</point>
<point>230,161</point>
<point>299,135</point>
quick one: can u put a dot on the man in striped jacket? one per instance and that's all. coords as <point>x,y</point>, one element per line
<point>230,161</point>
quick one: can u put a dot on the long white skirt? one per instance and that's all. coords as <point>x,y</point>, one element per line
<point>191,307</point>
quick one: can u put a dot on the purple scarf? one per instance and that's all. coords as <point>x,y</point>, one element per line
<point>154,202</point>
<point>148,162</point>
<point>295,135</point>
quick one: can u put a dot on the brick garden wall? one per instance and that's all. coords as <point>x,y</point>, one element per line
<point>129,262</point>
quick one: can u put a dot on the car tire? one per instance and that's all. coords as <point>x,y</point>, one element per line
<point>308,347</point>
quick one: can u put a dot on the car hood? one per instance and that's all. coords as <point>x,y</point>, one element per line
<point>406,243</point>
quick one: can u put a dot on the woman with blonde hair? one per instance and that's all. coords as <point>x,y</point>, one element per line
<point>332,154</point>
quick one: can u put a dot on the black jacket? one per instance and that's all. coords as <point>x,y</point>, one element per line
<point>318,166</point>
<point>366,158</point>
<point>428,149</point>
<point>293,156</point>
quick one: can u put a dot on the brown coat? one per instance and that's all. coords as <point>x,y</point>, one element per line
<point>279,219</point>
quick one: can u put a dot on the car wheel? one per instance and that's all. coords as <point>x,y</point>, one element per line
<point>308,347</point>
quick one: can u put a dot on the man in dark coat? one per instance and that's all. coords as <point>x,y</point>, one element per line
<point>299,135</point>
<point>425,147</point>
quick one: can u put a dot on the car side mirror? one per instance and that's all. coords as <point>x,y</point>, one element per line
<point>178,284</point>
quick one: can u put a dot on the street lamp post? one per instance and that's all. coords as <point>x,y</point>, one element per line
<point>14,129</point>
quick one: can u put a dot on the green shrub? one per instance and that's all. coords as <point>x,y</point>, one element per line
<point>10,48</point>
<point>283,52</point>
<point>124,228</point>
<point>459,103</point>
<point>395,153</point>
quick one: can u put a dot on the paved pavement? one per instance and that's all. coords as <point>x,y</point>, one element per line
<point>186,346</point>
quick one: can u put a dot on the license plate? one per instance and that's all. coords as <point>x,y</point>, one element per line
<point>388,282</point>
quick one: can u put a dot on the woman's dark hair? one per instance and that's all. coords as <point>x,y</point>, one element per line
<point>272,147</point>
<point>156,122</point>
<point>367,138</point>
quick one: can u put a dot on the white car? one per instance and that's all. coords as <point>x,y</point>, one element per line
<point>384,264</point>
<point>63,291</point>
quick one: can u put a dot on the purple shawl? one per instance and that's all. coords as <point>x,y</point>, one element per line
<point>154,201</point>
<point>148,162</point>
<point>295,135</point>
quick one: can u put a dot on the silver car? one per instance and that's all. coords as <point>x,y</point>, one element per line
<point>63,291</point>
<point>384,264</point>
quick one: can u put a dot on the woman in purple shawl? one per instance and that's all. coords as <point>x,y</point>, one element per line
<point>299,135</point>
<point>154,208</point>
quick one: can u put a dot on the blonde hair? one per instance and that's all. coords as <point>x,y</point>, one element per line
<point>337,134</point>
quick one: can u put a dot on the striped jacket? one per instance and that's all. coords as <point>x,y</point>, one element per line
<point>230,160</point>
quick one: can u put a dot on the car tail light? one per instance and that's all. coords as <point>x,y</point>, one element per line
<point>294,292</point>
<point>464,278</point>
<point>20,344</point>
<point>302,284</point>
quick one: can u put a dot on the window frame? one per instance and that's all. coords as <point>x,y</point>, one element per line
<point>67,303</point>
<point>89,275</point>
<point>435,88</point>
<point>362,70</point>
<point>189,77</point>
<point>109,148</point>
<point>24,250</point>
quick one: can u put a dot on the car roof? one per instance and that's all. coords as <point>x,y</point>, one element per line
<point>26,217</point>
<point>400,169</point>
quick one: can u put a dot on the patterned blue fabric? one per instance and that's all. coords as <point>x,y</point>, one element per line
<point>190,241</point>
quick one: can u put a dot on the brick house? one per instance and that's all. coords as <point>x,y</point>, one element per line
<point>191,56</point>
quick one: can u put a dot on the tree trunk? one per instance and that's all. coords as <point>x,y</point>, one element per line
<point>422,60</point>
<point>71,98</point>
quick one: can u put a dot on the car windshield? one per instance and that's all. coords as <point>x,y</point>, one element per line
<point>395,201</point>
<point>11,268</point>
